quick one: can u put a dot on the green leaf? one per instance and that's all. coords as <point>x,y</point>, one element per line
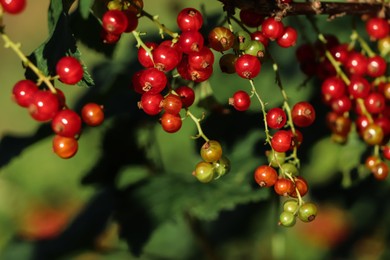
<point>85,7</point>
<point>60,43</point>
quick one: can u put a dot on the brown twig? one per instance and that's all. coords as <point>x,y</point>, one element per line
<point>266,7</point>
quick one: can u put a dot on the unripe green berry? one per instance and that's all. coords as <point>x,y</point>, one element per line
<point>287,219</point>
<point>290,206</point>
<point>222,166</point>
<point>242,40</point>
<point>204,172</point>
<point>307,212</point>
<point>288,168</point>
<point>275,158</point>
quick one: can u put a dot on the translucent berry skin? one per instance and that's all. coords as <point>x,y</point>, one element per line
<point>240,100</point>
<point>377,28</point>
<point>202,59</point>
<point>281,141</point>
<point>151,103</point>
<point>356,63</point>
<point>189,19</point>
<point>23,91</point>
<point>380,171</point>
<point>247,66</point>
<point>287,219</point>
<point>143,56</point>
<point>191,41</point>
<point>303,114</point>
<point>92,114</point>
<point>276,118</point>
<point>13,6</point>
<point>272,28</point>
<point>288,38</point>
<point>283,187</point>
<point>376,66</point>
<point>187,95</point>
<point>171,123</point>
<point>166,58</point>
<point>307,212</point>
<point>114,21</point>
<point>265,176</point>
<point>172,104</point>
<point>220,39</point>
<point>69,70</point>
<point>211,151</point>
<point>152,80</point>
<point>66,123</point>
<point>332,88</point>
<point>64,147</point>
<point>44,105</point>
<point>204,172</point>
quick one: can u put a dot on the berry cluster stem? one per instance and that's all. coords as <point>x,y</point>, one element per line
<point>199,127</point>
<point>263,110</point>
<point>26,62</point>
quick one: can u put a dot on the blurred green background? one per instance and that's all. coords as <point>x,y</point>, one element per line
<point>42,195</point>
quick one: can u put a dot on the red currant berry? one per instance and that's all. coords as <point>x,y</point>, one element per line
<point>23,91</point>
<point>199,75</point>
<point>144,57</point>
<point>132,20</point>
<point>221,39</point>
<point>303,114</point>
<point>202,59</point>
<point>272,28</point>
<point>276,118</point>
<point>332,88</point>
<point>340,52</point>
<point>151,103</point>
<point>92,114</point>
<point>265,176</point>
<point>247,66</point>
<point>380,171</point>
<point>13,6</point>
<point>359,87</point>
<point>386,152</point>
<point>65,147</point>
<point>301,185</point>
<point>251,18</point>
<point>44,105</point>
<point>109,38</point>
<point>227,62</point>
<point>241,101</point>
<point>283,186</point>
<point>189,19</point>
<point>281,141</point>
<point>171,123</point>
<point>376,66</point>
<point>372,161</point>
<point>356,63</point>
<point>152,80</point>
<point>69,70</point>
<point>187,95</point>
<point>260,37</point>
<point>191,41</point>
<point>377,28</point>
<point>211,151</point>
<point>66,123</point>
<point>373,134</point>
<point>375,103</point>
<point>341,105</point>
<point>114,21</point>
<point>166,58</point>
<point>172,104</point>
<point>288,38</point>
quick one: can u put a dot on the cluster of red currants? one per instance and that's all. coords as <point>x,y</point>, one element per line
<point>188,56</point>
<point>48,104</point>
<point>356,89</point>
<point>121,17</point>
<point>214,164</point>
